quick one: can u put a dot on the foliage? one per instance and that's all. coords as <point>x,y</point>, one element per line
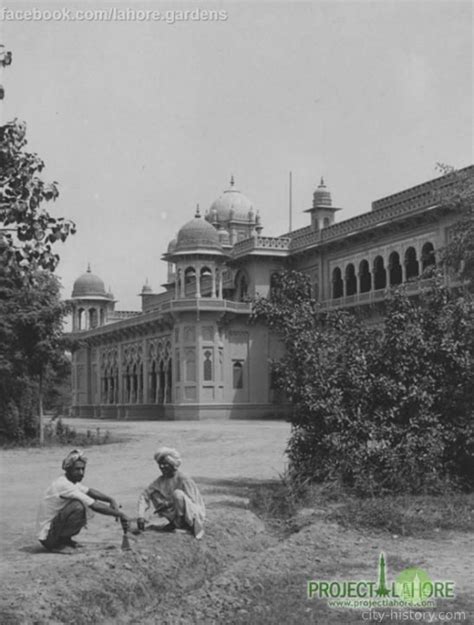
<point>380,410</point>
<point>31,314</point>
<point>32,347</point>
<point>56,432</point>
<point>28,231</point>
<point>458,196</point>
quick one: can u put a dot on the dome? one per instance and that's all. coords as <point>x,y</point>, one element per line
<point>172,246</point>
<point>322,197</point>
<point>197,234</point>
<point>232,204</point>
<point>88,285</point>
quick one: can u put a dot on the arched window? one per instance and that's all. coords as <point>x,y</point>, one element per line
<point>380,276</point>
<point>351,280</point>
<point>237,374</point>
<point>127,387</point>
<point>134,396</point>
<point>411,264</point>
<point>169,381</point>
<point>102,316</point>
<point>154,383</point>
<point>365,279</point>
<point>241,287</point>
<point>206,282</point>
<point>337,284</point>
<point>93,319</point>
<point>427,255</point>
<point>80,319</point>
<point>190,281</point>
<point>161,383</point>
<point>190,366</point>
<point>178,365</point>
<point>395,269</point>
<point>326,222</point>
<point>207,368</point>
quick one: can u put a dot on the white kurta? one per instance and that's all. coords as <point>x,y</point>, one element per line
<point>55,498</point>
<point>161,494</point>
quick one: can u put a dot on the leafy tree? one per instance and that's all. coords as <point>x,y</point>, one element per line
<point>27,229</point>
<point>382,410</point>
<point>32,347</point>
<point>31,312</point>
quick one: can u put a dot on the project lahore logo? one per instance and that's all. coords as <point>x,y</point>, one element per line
<point>411,588</point>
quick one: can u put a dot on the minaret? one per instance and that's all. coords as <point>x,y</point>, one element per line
<point>322,211</point>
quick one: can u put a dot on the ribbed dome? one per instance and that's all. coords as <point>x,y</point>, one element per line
<point>88,285</point>
<point>322,197</point>
<point>232,204</point>
<point>197,234</point>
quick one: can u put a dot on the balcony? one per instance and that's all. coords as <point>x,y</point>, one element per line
<point>272,246</point>
<point>372,297</point>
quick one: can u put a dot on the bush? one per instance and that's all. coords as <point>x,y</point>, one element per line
<point>57,433</point>
<point>384,410</point>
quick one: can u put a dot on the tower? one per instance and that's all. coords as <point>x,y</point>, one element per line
<point>91,304</point>
<point>322,211</point>
<point>198,257</point>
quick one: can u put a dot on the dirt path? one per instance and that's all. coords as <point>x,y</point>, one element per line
<point>240,573</point>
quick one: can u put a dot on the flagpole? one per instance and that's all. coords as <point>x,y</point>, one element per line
<point>290,200</point>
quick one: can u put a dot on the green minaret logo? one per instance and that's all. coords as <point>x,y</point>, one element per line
<point>382,590</point>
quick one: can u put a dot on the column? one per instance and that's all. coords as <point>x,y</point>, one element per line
<point>214,283</point>
<point>197,269</point>
<point>176,284</point>
<point>120,380</point>
<point>182,283</point>
<point>145,376</point>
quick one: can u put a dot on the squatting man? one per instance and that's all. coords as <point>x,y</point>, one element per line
<point>66,503</point>
<point>173,496</point>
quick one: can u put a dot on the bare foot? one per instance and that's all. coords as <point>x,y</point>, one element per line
<point>69,542</point>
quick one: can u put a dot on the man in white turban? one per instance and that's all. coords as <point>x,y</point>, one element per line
<point>173,496</point>
<point>63,510</point>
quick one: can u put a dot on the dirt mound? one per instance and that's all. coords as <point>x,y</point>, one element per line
<point>240,573</point>
<point>99,582</point>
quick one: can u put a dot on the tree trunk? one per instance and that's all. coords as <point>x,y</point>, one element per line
<point>41,416</point>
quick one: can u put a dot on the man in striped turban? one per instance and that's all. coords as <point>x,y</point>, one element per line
<point>66,503</point>
<point>173,496</point>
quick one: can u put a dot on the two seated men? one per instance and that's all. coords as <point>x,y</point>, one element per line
<point>67,502</point>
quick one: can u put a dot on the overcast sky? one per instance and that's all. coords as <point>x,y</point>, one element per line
<point>139,121</point>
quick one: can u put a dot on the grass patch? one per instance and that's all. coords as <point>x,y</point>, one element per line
<point>408,515</point>
<point>278,502</point>
<point>278,505</point>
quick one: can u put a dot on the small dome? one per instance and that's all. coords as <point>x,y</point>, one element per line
<point>197,234</point>
<point>232,204</point>
<point>88,285</point>
<point>172,246</point>
<point>322,197</point>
